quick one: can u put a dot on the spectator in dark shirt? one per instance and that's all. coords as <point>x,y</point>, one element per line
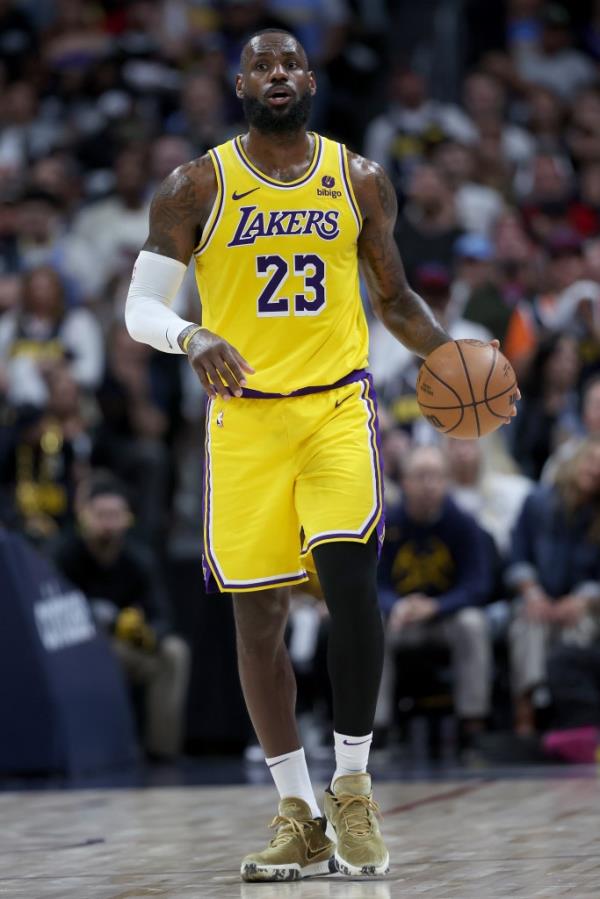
<point>435,572</point>
<point>139,401</point>
<point>548,414</point>
<point>555,572</point>
<point>428,228</point>
<point>124,587</point>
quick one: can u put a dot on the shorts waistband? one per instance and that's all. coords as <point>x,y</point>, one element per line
<point>358,375</point>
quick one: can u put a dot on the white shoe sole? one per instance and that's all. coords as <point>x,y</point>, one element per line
<point>364,871</point>
<point>252,872</point>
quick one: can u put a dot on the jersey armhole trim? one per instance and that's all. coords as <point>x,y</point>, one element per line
<point>217,207</point>
<point>349,189</point>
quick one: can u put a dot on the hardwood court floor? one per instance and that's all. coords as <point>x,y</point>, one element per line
<point>484,837</point>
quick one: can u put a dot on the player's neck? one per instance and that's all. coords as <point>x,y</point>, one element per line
<point>281,156</point>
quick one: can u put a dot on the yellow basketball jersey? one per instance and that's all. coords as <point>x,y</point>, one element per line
<point>277,269</point>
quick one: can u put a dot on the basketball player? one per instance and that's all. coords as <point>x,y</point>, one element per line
<point>277,221</point>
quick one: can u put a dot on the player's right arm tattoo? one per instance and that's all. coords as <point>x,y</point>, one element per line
<point>400,309</point>
<point>179,208</point>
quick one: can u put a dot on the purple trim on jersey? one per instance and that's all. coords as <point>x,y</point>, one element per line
<point>314,165</point>
<point>355,210</point>
<point>375,440</point>
<point>206,237</point>
<point>359,375</point>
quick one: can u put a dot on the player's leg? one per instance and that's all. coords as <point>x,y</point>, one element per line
<point>347,572</point>
<point>300,847</point>
<point>266,674</point>
<point>339,501</point>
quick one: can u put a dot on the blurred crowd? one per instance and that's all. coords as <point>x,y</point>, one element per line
<point>496,162</point>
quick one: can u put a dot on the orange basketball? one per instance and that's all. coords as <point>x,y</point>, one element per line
<point>465,388</point>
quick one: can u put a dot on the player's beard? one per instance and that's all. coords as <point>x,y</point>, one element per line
<point>277,121</point>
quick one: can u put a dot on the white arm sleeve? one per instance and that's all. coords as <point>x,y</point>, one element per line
<point>148,316</point>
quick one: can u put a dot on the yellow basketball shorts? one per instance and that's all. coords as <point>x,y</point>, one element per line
<point>284,475</point>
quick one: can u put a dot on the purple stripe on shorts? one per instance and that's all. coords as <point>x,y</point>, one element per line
<point>209,579</point>
<point>359,375</point>
<point>381,523</point>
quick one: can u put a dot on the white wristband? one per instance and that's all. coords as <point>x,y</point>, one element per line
<point>148,316</point>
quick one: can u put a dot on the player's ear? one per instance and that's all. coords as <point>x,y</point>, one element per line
<point>239,86</point>
<point>312,83</point>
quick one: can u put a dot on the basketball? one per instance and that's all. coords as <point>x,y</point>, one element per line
<point>466,388</point>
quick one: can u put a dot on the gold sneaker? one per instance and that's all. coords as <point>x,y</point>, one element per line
<point>352,813</point>
<point>298,849</point>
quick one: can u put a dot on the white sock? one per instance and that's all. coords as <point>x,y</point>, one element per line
<point>351,754</point>
<point>290,773</point>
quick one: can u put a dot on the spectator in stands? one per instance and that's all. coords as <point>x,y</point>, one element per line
<point>41,332</point>
<point>546,117</point>
<point>124,586</point>
<point>546,192</point>
<point>25,134</point>
<point>43,453</point>
<point>413,124</point>
<point>577,312</point>
<point>116,227</point>
<point>427,227</point>
<point>484,99</point>
<point>139,400</point>
<point>167,153</point>
<point>43,238</point>
<point>555,572</point>
<point>563,265</point>
<point>478,207</point>
<point>555,63</point>
<point>548,413</point>
<point>589,426</point>
<point>59,176</point>
<point>477,289</point>
<point>494,498</point>
<point>435,573</point>
<point>201,116</point>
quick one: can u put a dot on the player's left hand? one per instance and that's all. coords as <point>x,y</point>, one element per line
<point>513,409</point>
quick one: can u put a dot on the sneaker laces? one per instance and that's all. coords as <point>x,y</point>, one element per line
<point>357,819</point>
<point>288,828</point>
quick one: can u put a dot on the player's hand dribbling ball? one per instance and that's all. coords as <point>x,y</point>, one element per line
<point>467,389</point>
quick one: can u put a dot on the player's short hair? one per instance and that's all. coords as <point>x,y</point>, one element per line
<point>272,30</point>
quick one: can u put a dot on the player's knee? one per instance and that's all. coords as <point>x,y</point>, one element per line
<point>260,620</point>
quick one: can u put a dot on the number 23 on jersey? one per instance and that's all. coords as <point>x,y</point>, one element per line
<point>273,299</point>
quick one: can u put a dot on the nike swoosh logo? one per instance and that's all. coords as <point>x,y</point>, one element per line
<point>312,853</point>
<point>339,402</point>
<point>236,196</point>
<point>362,742</point>
<point>280,762</point>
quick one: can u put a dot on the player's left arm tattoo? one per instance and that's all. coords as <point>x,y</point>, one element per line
<point>401,310</point>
